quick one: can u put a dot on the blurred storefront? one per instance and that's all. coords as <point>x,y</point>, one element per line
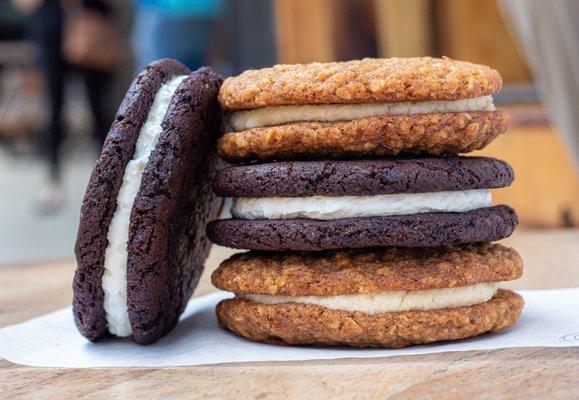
<point>255,33</point>
<point>546,191</point>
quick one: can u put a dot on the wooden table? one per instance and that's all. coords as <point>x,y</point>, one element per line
<point>551,261</point>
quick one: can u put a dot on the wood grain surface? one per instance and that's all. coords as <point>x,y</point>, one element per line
<point>551,261</point>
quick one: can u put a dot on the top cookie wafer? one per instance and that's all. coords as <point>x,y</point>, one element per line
<point>359,81</point>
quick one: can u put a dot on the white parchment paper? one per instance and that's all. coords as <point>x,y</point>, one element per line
<point>550,318</point>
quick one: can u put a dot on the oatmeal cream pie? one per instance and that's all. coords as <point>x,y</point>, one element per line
<point>320,205</point>
<point>141,240</point>
<point>382,298</point>
<point>369,107</point>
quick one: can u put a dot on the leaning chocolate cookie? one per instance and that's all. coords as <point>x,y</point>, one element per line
<point>141,241</point>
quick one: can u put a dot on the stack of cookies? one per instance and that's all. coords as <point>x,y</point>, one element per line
<point>365,228</point>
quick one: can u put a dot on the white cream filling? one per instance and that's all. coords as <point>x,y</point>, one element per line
<point>376,303</point>
<point>114,281</point>
<point>329,208</point>
<point>278,115</point>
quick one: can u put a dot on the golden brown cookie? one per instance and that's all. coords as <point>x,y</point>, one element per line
<point>359,81</point>
<point>445,133</point>
<point>307,324</point>
<point>366,271</point>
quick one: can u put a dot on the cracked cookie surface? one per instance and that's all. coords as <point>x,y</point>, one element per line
<point>384,135</point>
<point>362,177</point>
<point>167,246</point>
<point>363,271</point>
<point>415,230</point>
<point>100,199</point>
<point>359,81</point>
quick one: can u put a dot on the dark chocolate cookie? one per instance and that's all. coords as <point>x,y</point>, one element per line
<point>417,230</point>
<point>100,198</point>
<point>362,177</point>
<point>167,244</point>
<point>169,212</point>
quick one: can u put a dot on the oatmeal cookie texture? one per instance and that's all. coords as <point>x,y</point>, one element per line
<point>385,135</point>
<point>366,271</point>
<point>307,324</point>
<point>359,81</point>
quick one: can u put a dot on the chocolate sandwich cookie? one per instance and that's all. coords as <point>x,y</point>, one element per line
<point>362,177</point>
<point>318,205</point>
<point>415,230</point>
<point>141,241</point>
<point>370,107</point>
<point>383,298</point>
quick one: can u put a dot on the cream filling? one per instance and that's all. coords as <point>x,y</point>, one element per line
<point>114,281</point>
<point>329,208</point>
<point>376,303</point>
<point>278,115</point>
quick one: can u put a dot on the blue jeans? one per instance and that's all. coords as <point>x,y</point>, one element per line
<point>158,35</point>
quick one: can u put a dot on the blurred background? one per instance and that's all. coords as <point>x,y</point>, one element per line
<point>65,65</point>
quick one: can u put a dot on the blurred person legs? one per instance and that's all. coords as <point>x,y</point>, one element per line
<point>92,44</point>
<point>97,84</point>
<point>47,27</point>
